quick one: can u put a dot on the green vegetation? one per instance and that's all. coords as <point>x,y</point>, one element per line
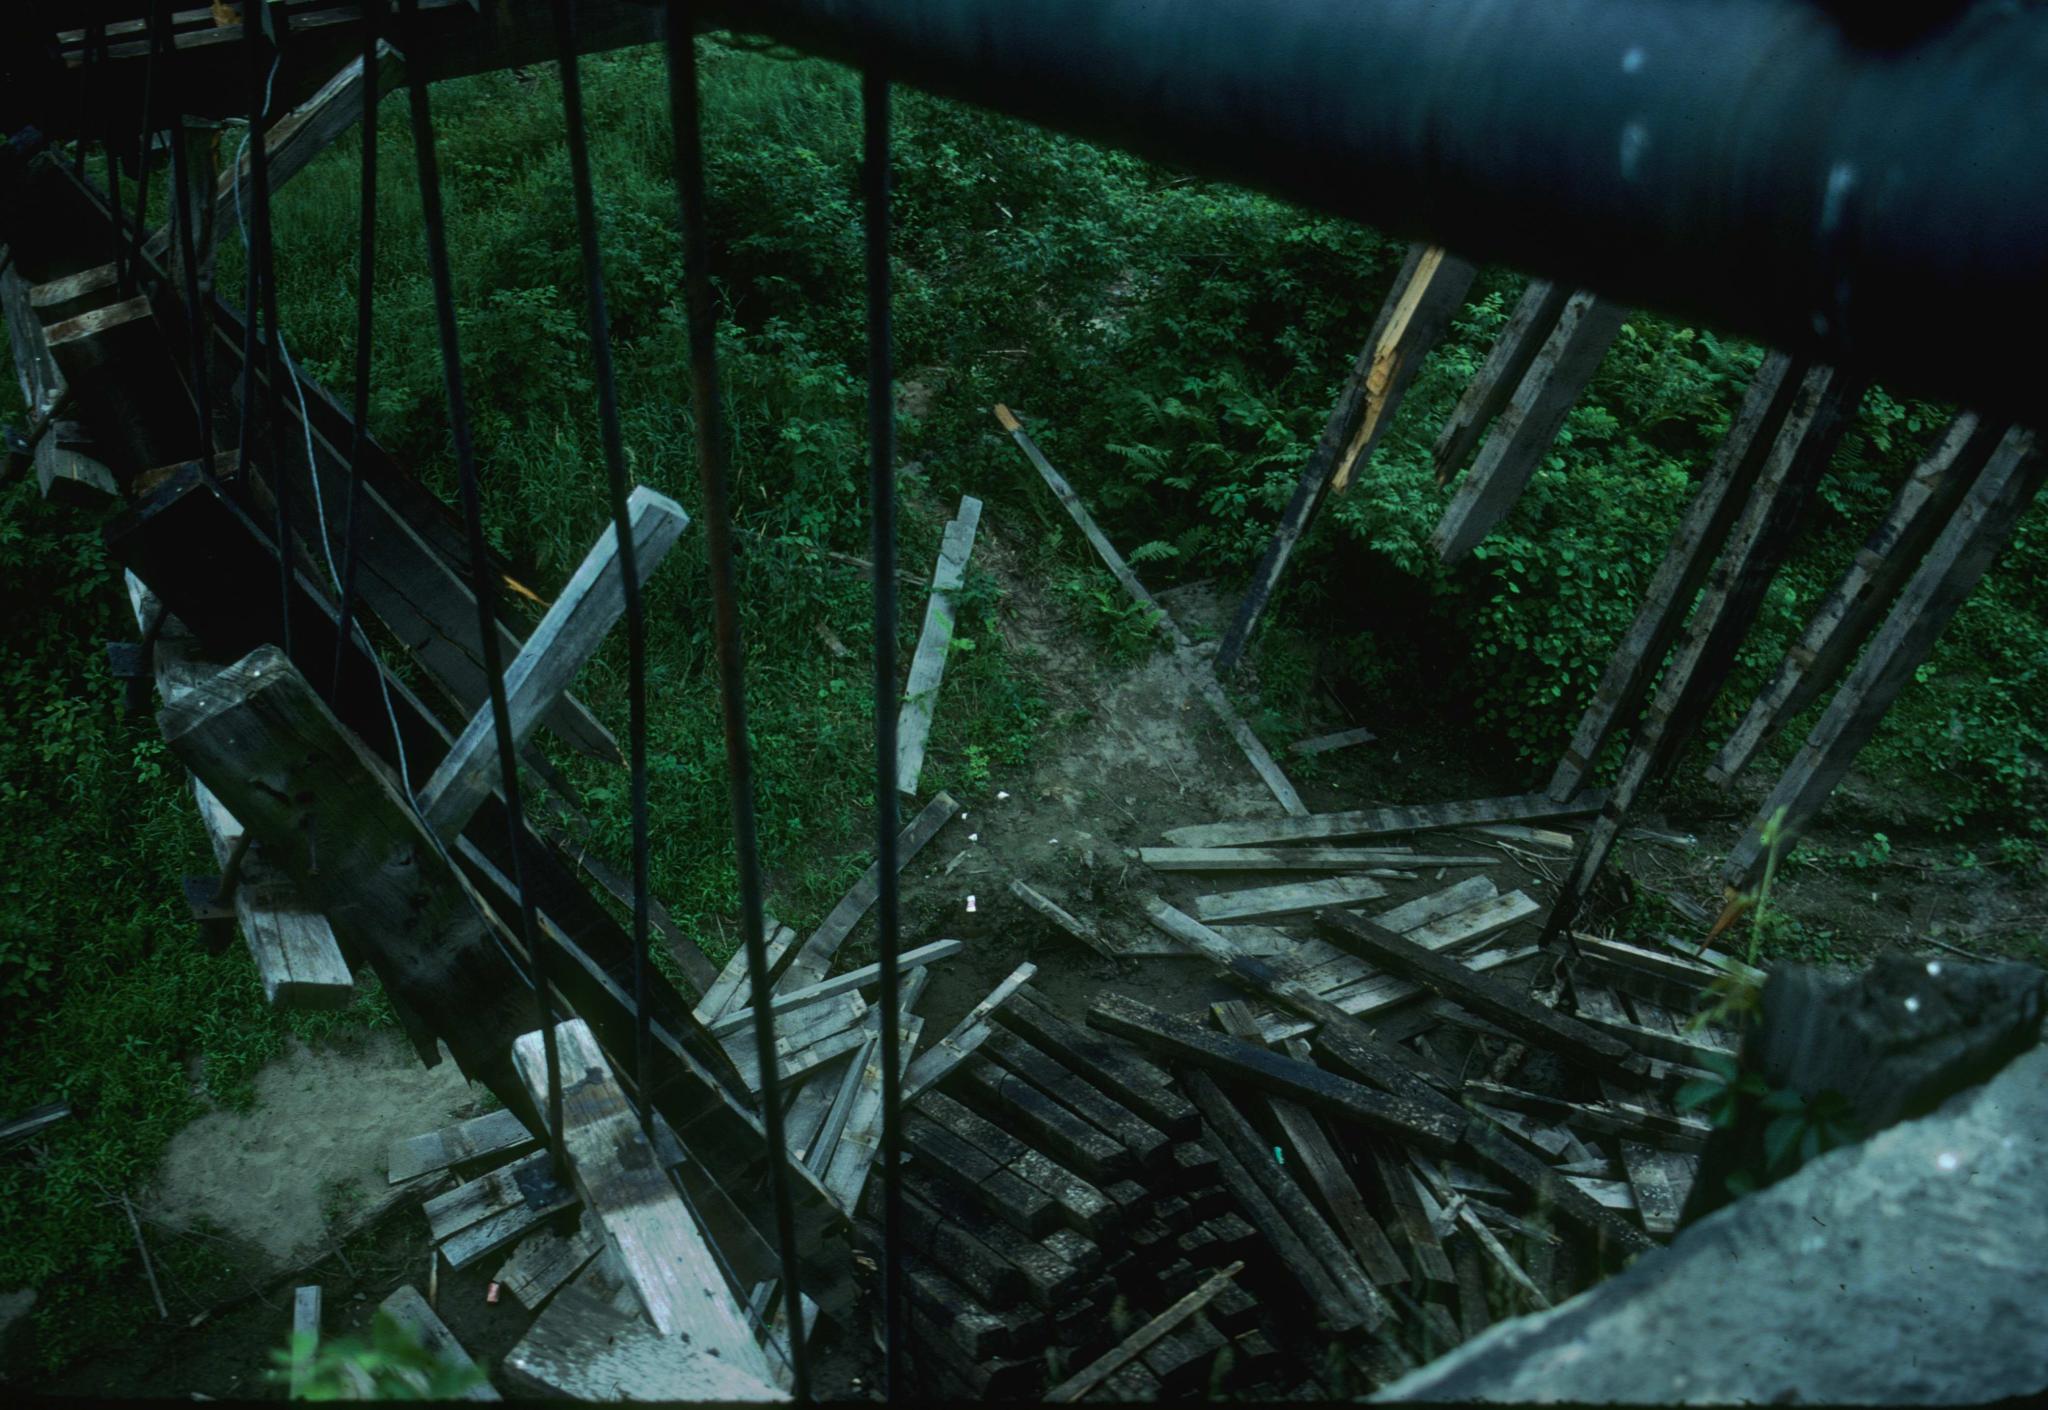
<point>1173,345</point>
<point>390,1361</point>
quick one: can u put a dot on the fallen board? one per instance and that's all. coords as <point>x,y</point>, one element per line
<point>544,1261</point>
<point>1298,858</point>
<point>1342,739</point>
<point>729,989</point>
<point>928,664</point>
<point>498,1132</point>
<point>1292,898</point>
<point>407,1308</point>
<point>734,1020</point>
<point>1382,822</point>
<point>967,1035</point>
<point>815,958</point>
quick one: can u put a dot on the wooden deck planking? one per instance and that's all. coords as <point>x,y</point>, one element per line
<point>928,664</point>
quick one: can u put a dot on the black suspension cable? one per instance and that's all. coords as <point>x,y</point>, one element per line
<point>263,276</point>
<point>874,181</point>
<point>538,947</point>
<point>97,56</point>
<point>366,268</point>
<point>198,318</point>
<point>686,129</point>
<point>134,277</point>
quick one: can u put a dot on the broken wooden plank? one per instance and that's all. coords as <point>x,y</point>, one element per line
<point>1289,898</point>
<point>410,1311</point>
<point>1298,858</point>
<point>668,1262</point>
<point>498,1132</point>
<point>737,1020</point>
<point>1003,1192</point>
<point>860,1139</point>
<point>928,664</point>
<point>568,636</point>
<point>1198,671</point>
<point>1425,295</point>
<point>32,1123</point>
<point>814,959</point>
<point>1482,1237</point>
<point>1656,1199</point>
<point>1527,328</point>
<point>729,989</point>
<point>1499,1003</point>
<point>1342,739</point>
<point>527,1183</point>
<point>1411,1220</point>
<point>1523,432</point>
<point>1096,1372</point>
<point>1112,1066</point>
<point>968,1034</point>
<point>1980,530</point>
<point>1381,822</point>
<point>1494,1152</point>
<point>70,477</point>
<point>1081,930</point>
<point>805,1050</point>
<point>305,1338</point>
<point>544,1261</point>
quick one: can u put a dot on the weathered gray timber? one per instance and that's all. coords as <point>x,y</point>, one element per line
<point>42,385</point>
<point>928,664</point>
<point>815,957</point>
<point>1722,493</point>
<point>968,1034</point>
<point>1426,294</point>
<point>1198,671</point>
<point>1867,587</point>
<point>1297,858</point>
<point>498,1132</point>
<point>740,1019</point>
<point>1114,1067</point>
<point>1073,925</point>
<point>729,988</point>
<point>1530,324</point>
<point>1102,1368</point>
<point>1523,432</point>
<point>61,300</point>
<point>860,1137</point>
<point>1148,1145</point>
<point>526,1181</point>
<point>667,1260</point>
<point>1983,525</point>
<point>1342,739</point>
<point>1928,1237</point>
<point>305,1337</point>
<point>407,1308</point>
<point>544,1261</point>
<point>568,636</point>
<point>1290,898</point>
<point>71,477</point>
<point>1381,822</point>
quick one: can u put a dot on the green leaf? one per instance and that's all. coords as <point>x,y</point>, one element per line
<point>1779,1139</point>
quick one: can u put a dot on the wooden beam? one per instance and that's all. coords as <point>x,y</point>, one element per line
<point>42,384</point>
<point>1526,427</point>
<point>1199,672</point>
<point>1427,292</point>
<point>1721,496</point>
<point>545,1261</point>
<point>737,1020</point>
<point>968,1034</point>
<point>667,1259</point>
<point>1079,929</point>
<point>1850,611</point>
<point>498,1132</point>
<point>815,957</point>
<point>1527,328</point>
<point>1148,1146</point>
<point>1215,859</point>
<point>410,1311</point>
<point>928,665</point>
<point>1342,739</point>
<point>1982,527</point>
<point>1290,898</point>
<point>860,1138</point>
<point>305,1338</point>
<point>120,371</point>
<point>1102,1368</point>
<point>729,988</point>
<point>568,636</point>
<point>1112,1066</point>
<point>1381,822</point>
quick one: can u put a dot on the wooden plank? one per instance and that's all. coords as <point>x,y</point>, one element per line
<point>1290,898</point>
<point>846,1088</point>
<point>568,636</point>
<point>527,1182</point>
<point>1049,1281</point>
<point>1655,1199</point>
<point>1112,1066</point>
<point>1482,1238</point>
<point>1527,328</point>
<point>407,1308</point>
<point>1694,1051</point>
<point>1096,1372</point>
<point>1432,1265</point>
<point>668,1262</point>
<point>928,664</point>
<point>1188,1042</point>
<point>71,477</point>
<point>738,1020</point>
<point>42,384</point>
<point>815,957</point>
<point>1523,432</point>
<point>498,1132</point>
<point>1198,671</point>
<point>1425,295</point>
<point>1455,931</point>
<point>1081,930</point>
<point>1982,527</point>
<point>968,1034</point>
<point>305,1338</point>
<point>582,1347</point>
<point>1001,1191</point>
<point>32,1122</point>
<point>1848,614</point>
<point>1381,822</point>
<point>1217,859</point>
<point>544,1261</point>
<point>1342,739</point>
<point>1147,1144</point>
<point>1495,1153</point>
<point>1020,1106</point>
<point>733,980</point>
<point>805,1050</point>
<point>860,1141</point>
<point>1499,1003</point>
<point>1060,1192</point>
<point>1723,492</point>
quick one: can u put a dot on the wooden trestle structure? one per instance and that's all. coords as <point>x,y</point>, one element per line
<point>1053,1170</point>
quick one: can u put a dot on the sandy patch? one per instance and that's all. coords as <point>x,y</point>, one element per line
<point>314,1145</point>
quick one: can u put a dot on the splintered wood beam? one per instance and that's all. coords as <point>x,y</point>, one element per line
<point>1723,492</point>
<point>859,1141</point>
<point>1521,337</point>
<point>968,1034</point>
<point>1426,294</point>
<point>729,988</point>
<point>1982,527</point>
<point>1199,672</point>
<point>738,1020</point>
<point>843,1090</point>
<point>928,665</point>
<point>42,385</point>
<point>1291,898</point>
<point>1867,587</point>
<point>1526,427</point>
<point>1728,607</point>
<point>566,638</point>
<point>820,1034</point>
<point>1102,1368</point>
<point>668,1262</point>
<point>67,476</point>
<point>815,957</point>
<point>1382,822</point>
<point>1081,930</point>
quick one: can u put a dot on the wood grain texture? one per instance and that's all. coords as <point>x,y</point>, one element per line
<point>928,663</point>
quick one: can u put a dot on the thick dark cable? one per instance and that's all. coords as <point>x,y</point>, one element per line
<point>717,519</point>
<point>198,318</point>
<point>874,182</point>
<point>96,56</point>
<point>538,947</point>
<point>622,525</point>
<point>263,264</point>
<point>159,42</point>
<point>366,270</point>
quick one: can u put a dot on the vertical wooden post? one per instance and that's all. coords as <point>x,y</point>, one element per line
<point>1526,330</point>
<point>1974,538</point>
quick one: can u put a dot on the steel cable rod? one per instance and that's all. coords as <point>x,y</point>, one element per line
<point>374,14</point>
<point>874,181</point>
<point>263,282</point>
<point>198,318</point>
<point>131,277</point>
<point>686,130</point>
<point>482,584</point>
